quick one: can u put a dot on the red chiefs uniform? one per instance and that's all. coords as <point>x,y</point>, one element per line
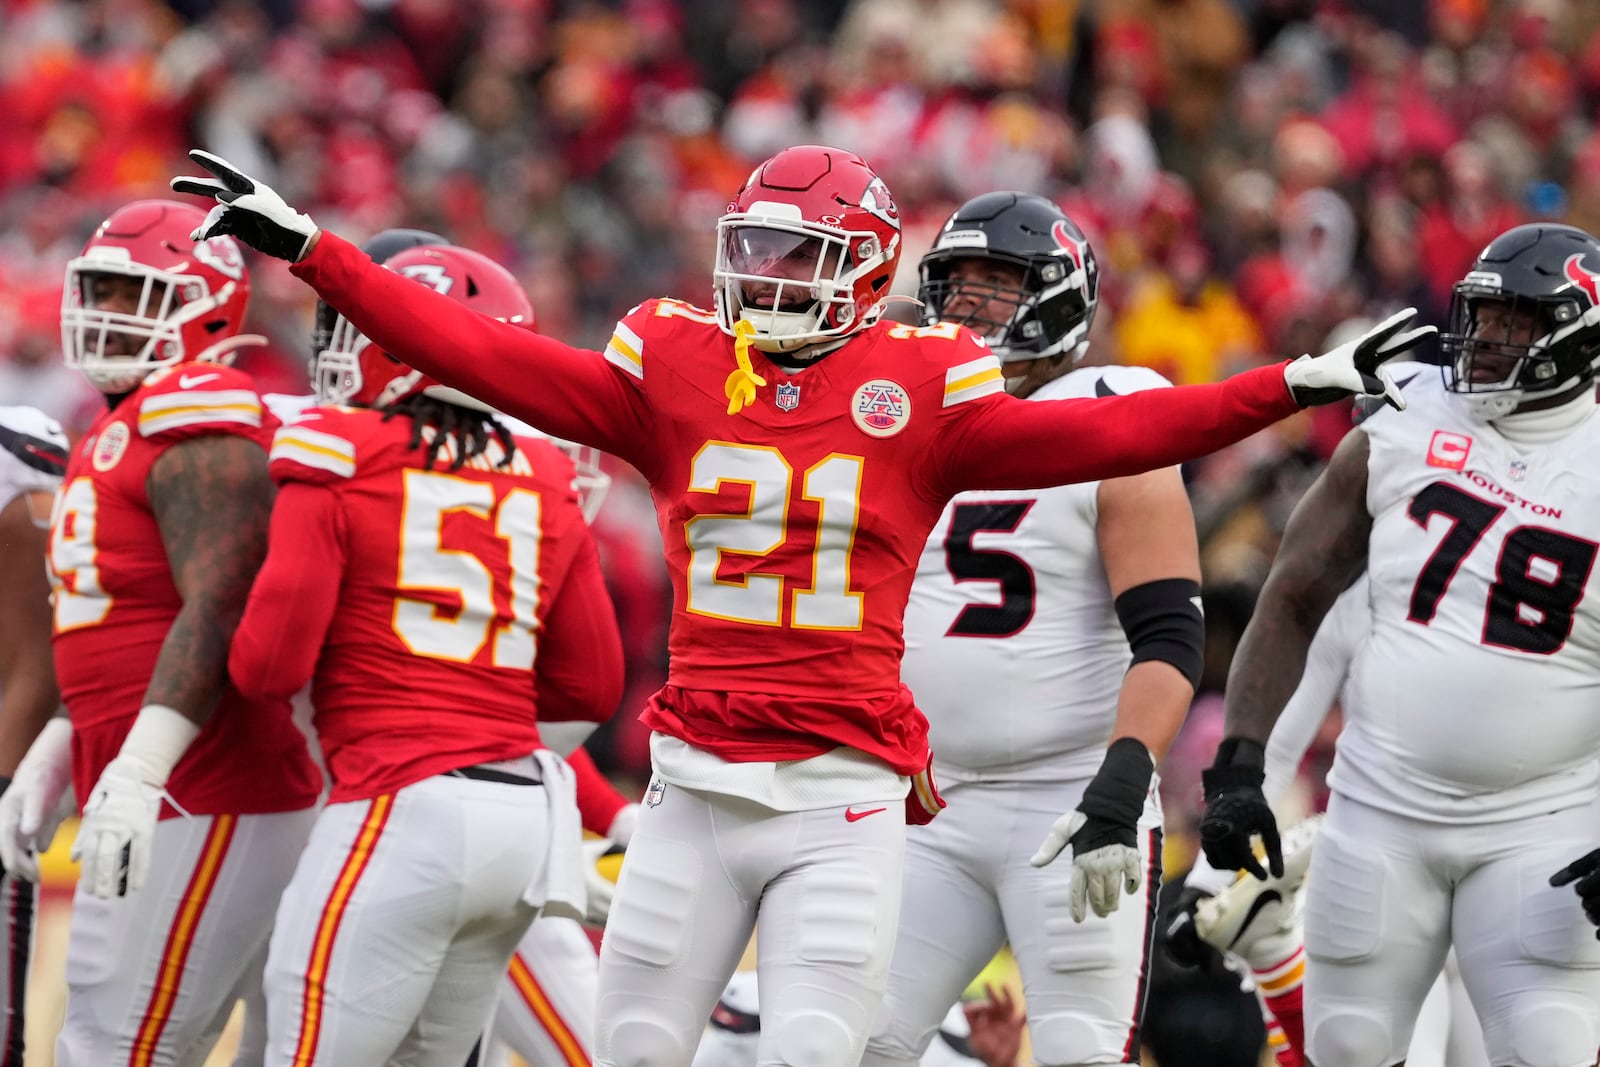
<point>115,601</point>
<point>792,528</point>
<point>429,604</point>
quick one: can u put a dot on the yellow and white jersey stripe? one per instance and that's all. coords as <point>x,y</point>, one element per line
<point>171,411</point>
<point>973,379</point>
<point>626,350</point>
<point>313,448</point>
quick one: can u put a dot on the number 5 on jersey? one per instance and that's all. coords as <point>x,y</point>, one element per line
<point>428,567</point>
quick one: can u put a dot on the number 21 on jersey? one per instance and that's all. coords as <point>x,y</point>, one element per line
<point>833,482</point>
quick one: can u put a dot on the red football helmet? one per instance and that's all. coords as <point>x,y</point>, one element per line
<point>807,249</point>
<point>142,295</point>
<point>352,371</point>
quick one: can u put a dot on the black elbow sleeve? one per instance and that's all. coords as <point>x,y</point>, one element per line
<point>1163,620</point>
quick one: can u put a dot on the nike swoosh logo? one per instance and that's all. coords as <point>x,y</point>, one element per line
<point>1102,389</point>
<point>1269,896</point>
<point>186,382</point>
<point>853,816</point>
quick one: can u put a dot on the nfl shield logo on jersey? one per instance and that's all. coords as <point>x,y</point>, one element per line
<point>788,396</point>
<point>1519,470</point>
<point>653,795</point>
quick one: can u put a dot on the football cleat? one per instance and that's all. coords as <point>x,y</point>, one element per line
<point>1260,920</point>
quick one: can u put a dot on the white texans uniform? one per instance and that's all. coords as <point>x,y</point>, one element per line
<point>32,454</point>
<point>1467,772</point>
<point>1014,652</point>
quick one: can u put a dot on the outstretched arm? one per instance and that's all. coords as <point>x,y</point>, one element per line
<point>1001,442</point>
<point>567,392</point>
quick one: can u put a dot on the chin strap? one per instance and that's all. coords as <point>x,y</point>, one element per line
<point>743,381</point>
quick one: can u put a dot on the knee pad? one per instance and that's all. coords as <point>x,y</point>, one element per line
<point>1064,1039</point>
<point>1349,1038</point>
<point>638,1039</point>
<point>809,1039</point>
<point>1557,1034</point>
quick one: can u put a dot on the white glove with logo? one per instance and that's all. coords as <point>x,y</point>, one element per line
<point>38,800</point>
<point>1100,875</point>
<point>119,818</point>
<point>1352,369</point>
<point>247,209</point>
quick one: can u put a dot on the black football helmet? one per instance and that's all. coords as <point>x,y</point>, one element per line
<point>1055,306</point>
<point>380,246</point>
<point>1541,273</point>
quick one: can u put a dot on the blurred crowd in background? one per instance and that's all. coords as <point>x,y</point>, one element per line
<point>1255,176</point>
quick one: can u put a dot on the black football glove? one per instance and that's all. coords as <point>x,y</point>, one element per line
<point>1352,369</point>
<point>1586,872</point>
<point>1237,810</point>
<point>248,210</point>
<point>1180,939</point>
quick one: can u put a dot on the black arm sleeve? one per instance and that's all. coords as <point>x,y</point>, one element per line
<point>1164,621</point>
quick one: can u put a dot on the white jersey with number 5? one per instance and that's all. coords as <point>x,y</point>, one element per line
<point>1013,648</point>
<point>1477,696</point>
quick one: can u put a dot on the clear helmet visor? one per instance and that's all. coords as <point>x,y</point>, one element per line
<point>792,281</point>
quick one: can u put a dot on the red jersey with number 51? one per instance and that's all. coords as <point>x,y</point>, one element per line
<point>415,597</point>
<point>115,600</point>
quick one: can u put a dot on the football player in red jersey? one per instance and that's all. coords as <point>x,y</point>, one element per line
<point>799,452</point>
<point>433,578</point>
<point>33,456</point>
<point>158,529</point>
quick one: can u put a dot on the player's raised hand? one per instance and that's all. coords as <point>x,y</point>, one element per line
<point>1352,369</point>
<point>1586,872</point>
<point>247,209</point>
<point>1104,831</point>
<point>1237,810</point>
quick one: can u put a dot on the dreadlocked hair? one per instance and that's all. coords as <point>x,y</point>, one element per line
<point>470,428</point>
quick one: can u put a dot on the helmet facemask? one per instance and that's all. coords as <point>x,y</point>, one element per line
<point>1045,315</point>
<point>1504,349</point>
<point>121,320</point>
<point>795,282</point>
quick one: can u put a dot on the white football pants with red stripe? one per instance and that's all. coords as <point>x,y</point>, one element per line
<point>546,1009</point>
<point>969,889</point>
<point>398,927</point>
<point>152,977</point>
<point>821,889</point>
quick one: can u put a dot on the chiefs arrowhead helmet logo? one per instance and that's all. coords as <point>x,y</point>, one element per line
<point>1583,278</point>
<point>1064,238</point>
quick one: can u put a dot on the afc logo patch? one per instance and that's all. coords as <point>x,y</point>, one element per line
<point>787,397</point>
<point>113,442</point>
<point>1449,450</point>
<point>881,408</point>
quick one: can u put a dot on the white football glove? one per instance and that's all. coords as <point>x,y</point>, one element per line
<point>119,821</point>
<point>247,209</point>
<point>1099,876</point>
<point>120,814</point>
<point>599,889</point>
<point>39,798</point>
<point>1352,369</point>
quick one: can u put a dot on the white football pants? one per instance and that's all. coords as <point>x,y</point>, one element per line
<point>969,889</point>
<point>1389,895</point>
<point>822,892</point>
